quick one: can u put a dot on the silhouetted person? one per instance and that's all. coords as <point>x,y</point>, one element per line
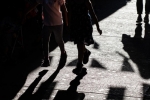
<point>53,23</point>
<point>80,13</point>
<point>139,5</point>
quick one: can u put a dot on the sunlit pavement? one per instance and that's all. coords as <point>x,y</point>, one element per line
<point>117,69</point>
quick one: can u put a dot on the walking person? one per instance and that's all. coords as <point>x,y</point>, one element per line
<point>80,23</point>
<point>53,23</point>
<point>139,6</point>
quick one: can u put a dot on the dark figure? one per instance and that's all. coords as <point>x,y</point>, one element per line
<point>81,29</point>
<point>139,5</point>
<point>53,23</point>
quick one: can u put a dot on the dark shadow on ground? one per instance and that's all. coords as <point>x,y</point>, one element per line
<point>45,89</point>
<point>138,49</point>
<point>73,63</point>
<point>146,92</point>
<point>96,64</point>
<point>14,75</point>
<point>71,93</point>
<point>27,95</point>
<point>126,67</point>
<point>104,8</point>
<point>16,68</point>
<point>116,93</point>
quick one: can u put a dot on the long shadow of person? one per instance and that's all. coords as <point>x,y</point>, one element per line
<point>71,93</point>
<point>146,95</point>
<point>146,40</point>
<point>27,95</point>
<point>138,49</point>
<point>45,89</point>
<point>13,76</point>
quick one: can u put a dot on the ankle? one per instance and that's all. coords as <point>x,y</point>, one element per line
<point>79,65</point>
<point>63,52</point>
<point>46,59</point>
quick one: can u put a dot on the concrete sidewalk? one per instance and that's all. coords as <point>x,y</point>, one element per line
<point>118,68</point>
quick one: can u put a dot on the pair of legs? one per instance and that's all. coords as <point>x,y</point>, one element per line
<point>47,31</point>
<point>139,6</point>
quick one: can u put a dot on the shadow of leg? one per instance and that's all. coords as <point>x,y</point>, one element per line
<point>71,93</point>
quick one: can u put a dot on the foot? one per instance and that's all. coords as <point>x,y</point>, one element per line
<point>139,19</point>
<point>146,19</point>
<point>46,63</point>
<point>86,56</point>
<point>78,69</point>
<point>63,59</point>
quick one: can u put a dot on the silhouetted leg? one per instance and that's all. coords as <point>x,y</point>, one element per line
<point>87,53</point>
<point>147,11</point>
<point>46,39</point>
<point>59,39</point>
<point>81,50</point>
<point>139,6</point>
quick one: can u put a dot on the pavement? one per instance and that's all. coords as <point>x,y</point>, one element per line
<point>118,68</point>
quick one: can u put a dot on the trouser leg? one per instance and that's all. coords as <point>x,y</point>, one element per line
<point>139,6</point>
<point>147,7</point>
<point>46,39</point>
<point>58,33</point>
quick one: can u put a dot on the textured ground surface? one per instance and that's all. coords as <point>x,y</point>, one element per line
<point>118,68</point>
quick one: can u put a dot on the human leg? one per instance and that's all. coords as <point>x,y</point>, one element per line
<point>147,11</point>
<point>58,33</point>
<point>46,39</point>
<point>139,6</point>
<point>86,56</point>
<point>83,53</point>
<point>81,50</point>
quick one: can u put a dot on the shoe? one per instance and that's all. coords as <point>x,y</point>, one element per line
<point>63,59</point>
<point>139,19</point>
<point>146,19</point>
<point>86,56</point>
<point>46,63</point>
<point>78,69</point>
